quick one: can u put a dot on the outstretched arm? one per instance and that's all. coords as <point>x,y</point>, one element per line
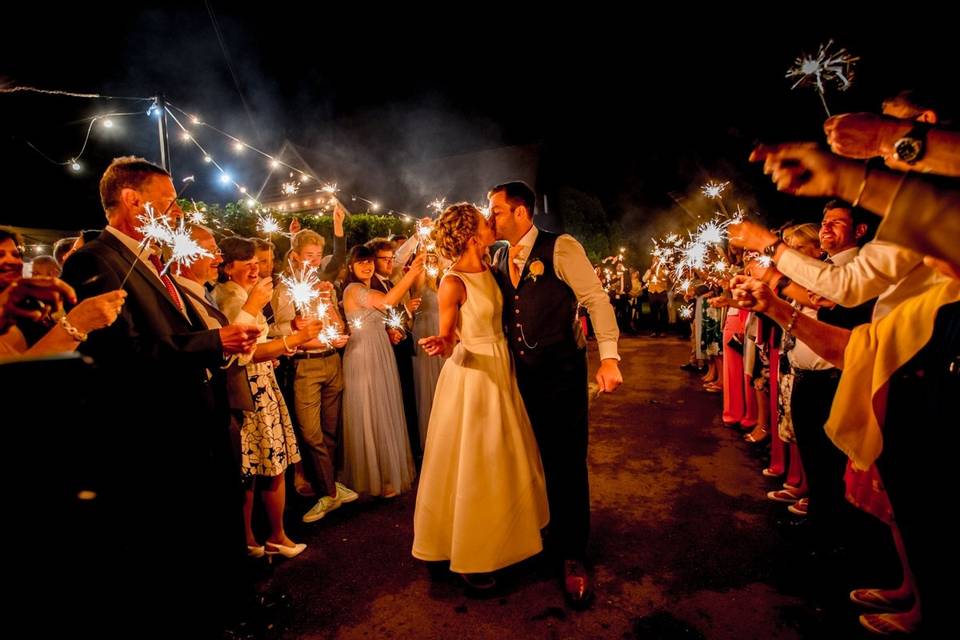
<point>451,295</point>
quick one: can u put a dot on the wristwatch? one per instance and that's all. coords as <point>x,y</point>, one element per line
<point>771,249</point>
<point>910,147</point>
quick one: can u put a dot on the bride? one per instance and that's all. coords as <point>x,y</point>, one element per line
<point>481,502</point>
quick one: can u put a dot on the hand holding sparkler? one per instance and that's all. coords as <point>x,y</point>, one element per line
<point>239,338</point>
<point>97,312</point>
<point>339,215</point>
<point>294,226</point>
<point>307,329</point>
<point>33,299</point>
<point>259,296</point>
<point>864,135</point>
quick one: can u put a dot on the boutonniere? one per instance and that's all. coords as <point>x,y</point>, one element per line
<point>535,270</point>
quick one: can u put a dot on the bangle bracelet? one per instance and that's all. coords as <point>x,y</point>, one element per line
<point>72,331</point>
<point>286,347</point>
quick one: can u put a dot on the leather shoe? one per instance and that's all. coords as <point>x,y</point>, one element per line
<point>577,584</point>
<point>479,581</point>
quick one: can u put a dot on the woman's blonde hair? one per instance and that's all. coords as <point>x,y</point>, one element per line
<point>454,228</point>
<point>806,233</point>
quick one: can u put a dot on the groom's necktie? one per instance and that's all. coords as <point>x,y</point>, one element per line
<point>514,267</point>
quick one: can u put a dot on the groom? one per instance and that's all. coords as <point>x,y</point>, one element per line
<point>543,276</point>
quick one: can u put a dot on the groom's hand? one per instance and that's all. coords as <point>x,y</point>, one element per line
<point>608,375</point>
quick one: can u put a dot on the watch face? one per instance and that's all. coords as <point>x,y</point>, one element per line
<point>908,149</point>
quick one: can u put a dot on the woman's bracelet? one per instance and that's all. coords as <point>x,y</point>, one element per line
<point>71,330</point>
<point>793,320</point>
<point>286,347</point>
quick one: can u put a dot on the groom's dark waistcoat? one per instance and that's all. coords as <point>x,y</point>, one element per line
<point>540,314</point>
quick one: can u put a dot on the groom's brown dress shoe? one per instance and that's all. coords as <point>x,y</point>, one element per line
<point>577,584</point>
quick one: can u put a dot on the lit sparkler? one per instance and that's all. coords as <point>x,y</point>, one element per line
<point>815,70</point>
<point>301,283</point>
<point>714,190</point>
<point>267,224</point>
<point>184,250</point>
<point>393,318</point>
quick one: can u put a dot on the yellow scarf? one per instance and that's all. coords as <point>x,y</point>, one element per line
<point>875,352</point>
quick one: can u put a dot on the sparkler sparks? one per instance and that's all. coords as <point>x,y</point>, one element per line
<point>714,190</point>
<point>825,66</point>
<point>393,319</point>
<point>184,250</point>
<point>302,286</point>
<point>267,224</point>
<point>153,227</point>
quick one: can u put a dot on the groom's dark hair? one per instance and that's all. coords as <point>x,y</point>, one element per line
<point>517,194</point>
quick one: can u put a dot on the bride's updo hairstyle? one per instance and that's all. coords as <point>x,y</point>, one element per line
<point>454,228</point>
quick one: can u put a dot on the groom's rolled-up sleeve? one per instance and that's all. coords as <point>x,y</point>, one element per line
<point>573,267</point>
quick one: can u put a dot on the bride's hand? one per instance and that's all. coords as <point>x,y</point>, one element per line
<point>436,346</point>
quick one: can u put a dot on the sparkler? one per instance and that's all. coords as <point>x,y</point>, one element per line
<point>686,311</point>
<point>154,226</point>
<point>184,250</point>
<point>301,285</point>
<point>713,190</point>
<point>328,336</point>
<point>393,318</point>
<point>267,224</point>
<point>825,66</point>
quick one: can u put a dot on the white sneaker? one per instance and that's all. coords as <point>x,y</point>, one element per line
<point>345,494</point>
<point>324,505</point>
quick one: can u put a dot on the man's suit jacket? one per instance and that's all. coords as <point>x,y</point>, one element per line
<point>154,358</point>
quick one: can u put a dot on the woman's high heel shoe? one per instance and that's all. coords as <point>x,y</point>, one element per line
<point>272,549</point>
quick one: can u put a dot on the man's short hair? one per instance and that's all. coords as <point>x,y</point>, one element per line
<point>517,194</point>
<point>128,172</point>
<point>379,244</point>
<point>263,245</point>
<point>306,237</point>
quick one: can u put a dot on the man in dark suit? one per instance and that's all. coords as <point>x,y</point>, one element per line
<point>167,432</point>
<point>543,277</point>
<point>403,348</point>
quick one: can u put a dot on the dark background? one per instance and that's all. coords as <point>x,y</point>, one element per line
<point>619,109</point>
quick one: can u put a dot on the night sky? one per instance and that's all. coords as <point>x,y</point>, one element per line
<point>622,108</point>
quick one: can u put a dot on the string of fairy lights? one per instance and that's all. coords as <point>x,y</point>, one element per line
<point>326,195</point>
<point>681,258</point>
